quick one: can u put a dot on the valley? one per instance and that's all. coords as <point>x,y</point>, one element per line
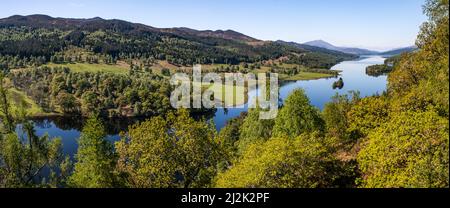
<point>109,103</point>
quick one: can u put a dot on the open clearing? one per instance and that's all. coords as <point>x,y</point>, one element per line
<point>238,93</point>
<point>305,76</point>
<point>86,67</point>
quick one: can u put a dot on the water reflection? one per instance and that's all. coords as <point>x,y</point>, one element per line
<point>321,91</point>
<point>318,91</point>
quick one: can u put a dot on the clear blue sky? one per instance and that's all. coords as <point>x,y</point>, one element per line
<point>377,24</point>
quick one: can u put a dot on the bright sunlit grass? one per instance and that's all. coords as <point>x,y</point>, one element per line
<point>93,68</point>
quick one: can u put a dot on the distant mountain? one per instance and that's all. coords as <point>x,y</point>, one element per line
<point>399,51</point>
<point>322,44</point>
<point>318,49</point>
<point>359,51</point>
<point>356,51</point>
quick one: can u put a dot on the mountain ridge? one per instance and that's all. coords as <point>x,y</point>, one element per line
<point>397,51</point>
<point>351,50</point>
<point>43,35</point>
<point>359,51</point>
<point>40,20</point>
<point>309,47</point>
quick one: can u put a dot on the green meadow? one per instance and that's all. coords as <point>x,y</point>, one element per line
<point>86,67</point>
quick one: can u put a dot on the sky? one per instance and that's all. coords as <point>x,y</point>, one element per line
<point>372,24</point>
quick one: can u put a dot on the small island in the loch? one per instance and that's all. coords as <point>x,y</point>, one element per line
<point>338,84</point>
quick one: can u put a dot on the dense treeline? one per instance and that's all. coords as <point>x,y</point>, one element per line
<point>378,70</point>
<point>316,60</point>
<point>107,94</point>
<point>383,69</point>
<point>13,62</point>
<point>318,57</point>
<point>397,139</point>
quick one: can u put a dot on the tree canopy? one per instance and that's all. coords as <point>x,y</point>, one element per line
<point>297,116</point>
<point>95,158</point>
<point>173,152</point>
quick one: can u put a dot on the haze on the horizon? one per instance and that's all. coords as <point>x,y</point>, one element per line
<point>376,25</point>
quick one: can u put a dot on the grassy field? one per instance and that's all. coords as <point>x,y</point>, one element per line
<point>19,98</point>
<point>304,76</point>
<point>159,65</point>
<point>86,67</point>
<point>226,92</point>
<point>123,69</point>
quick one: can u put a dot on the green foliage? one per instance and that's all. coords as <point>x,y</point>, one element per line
<point>144,156</point>
<point>107,94</point>
<point>386,68</point>
<point>8,124</point>
<point>409,151</point>
<point>95,158</point>
<point>23,163</point>
<point>23,159</point>
<point>366,115</point>
<point>68,103</point>
<point>427,70</point>
<point>398,139</point>
<point>90,103</point>
<point>254,129</point>
<point>322,60</point>
<point>172,152</point>
<point>297,116</point>
<point>338,84</point>
<point>301,162</point>
<point>335,116</point>
<point>378,70</point>
<point>228,139</point>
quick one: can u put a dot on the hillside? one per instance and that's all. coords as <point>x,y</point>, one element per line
<point>44,36</point>
<point>327,55</point>
<point>399,51</point>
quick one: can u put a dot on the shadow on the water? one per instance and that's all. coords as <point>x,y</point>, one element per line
<point>112,126</point>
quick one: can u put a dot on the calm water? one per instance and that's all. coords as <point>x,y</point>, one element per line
<point>319,92</point>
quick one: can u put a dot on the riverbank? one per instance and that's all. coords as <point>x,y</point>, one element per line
<point>319,92</point>
<point>305,76</point>
<point>33,110</point>
<point>20,100</point>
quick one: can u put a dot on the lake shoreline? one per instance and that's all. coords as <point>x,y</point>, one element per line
<point>319,91</point>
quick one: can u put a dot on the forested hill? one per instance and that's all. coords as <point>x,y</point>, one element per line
<point>399,51</point>
<point>43,36</point>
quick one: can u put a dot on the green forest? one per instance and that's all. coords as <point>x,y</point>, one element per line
<point>383,69</point>
<point>114,68</point>
<point>398,139</point>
